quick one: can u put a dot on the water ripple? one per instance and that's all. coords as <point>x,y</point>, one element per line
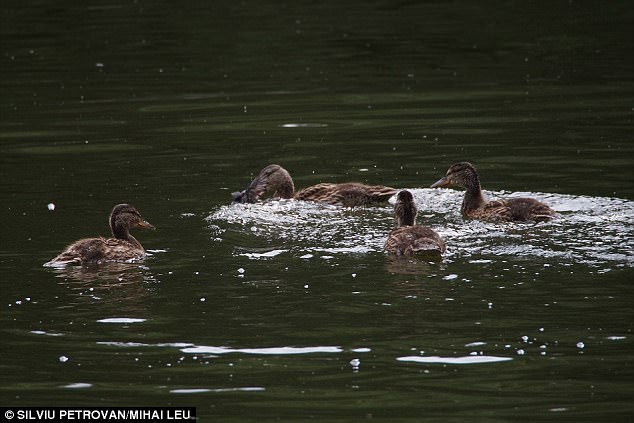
<point>476,359</point>
<point>266,351</point>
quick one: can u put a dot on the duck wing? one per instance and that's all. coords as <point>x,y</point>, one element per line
<point>519,209</point>
<point>523,209</point>
<point>83,251</point>
<point>97,250</point>
<point>347,194</point>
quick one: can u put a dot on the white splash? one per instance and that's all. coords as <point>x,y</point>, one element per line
<point>266,351</point>
<point>268,254</point>
<point>598,231</point>
<point>472,359</point>
<point>204,390</point>
<point>121,320</point>
<point>77,385</point>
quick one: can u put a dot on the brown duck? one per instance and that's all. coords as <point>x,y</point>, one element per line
<point>409,238</point>
<point>123,247</point>
<point>475,205</point>
<point>275,179</point>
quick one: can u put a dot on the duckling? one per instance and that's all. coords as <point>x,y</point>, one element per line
<point>275,179</point>
<point>409,238</point>
<point>475,204</point>
<point>122,248</point>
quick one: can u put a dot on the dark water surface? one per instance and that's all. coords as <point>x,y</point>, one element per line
<point>289,310</point>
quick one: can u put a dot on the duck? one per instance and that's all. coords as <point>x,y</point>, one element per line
<point>475,204</point>
<point>408,238</point>
<point>122,247</point>
<point>275,179</point>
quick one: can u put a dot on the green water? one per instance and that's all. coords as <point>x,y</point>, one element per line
<point>287,310</point>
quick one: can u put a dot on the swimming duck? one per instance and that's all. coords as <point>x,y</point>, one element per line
<point>123,247</point>
<point>409,238</point>
<point>275,179</point>
<point>475,205</point>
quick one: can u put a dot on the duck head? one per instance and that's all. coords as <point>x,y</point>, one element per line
<point>124,217</point>
<point>462,174</point>
<point>405,209</point>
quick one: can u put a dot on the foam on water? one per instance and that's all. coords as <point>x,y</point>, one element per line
<point>591,230</point>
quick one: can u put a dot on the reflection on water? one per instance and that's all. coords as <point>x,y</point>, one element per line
<point>411,265</point>
<point>118,287</point>
<point>597,231</point>
<point>117,273</point>
<point>114,276</point>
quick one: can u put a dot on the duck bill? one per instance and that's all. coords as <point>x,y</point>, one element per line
<point>237,197</point>
<point>145,224</point>
<point>443,182</point>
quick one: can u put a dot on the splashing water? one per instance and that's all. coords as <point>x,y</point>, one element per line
<point>309,227</point>
<point>597,231</point>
